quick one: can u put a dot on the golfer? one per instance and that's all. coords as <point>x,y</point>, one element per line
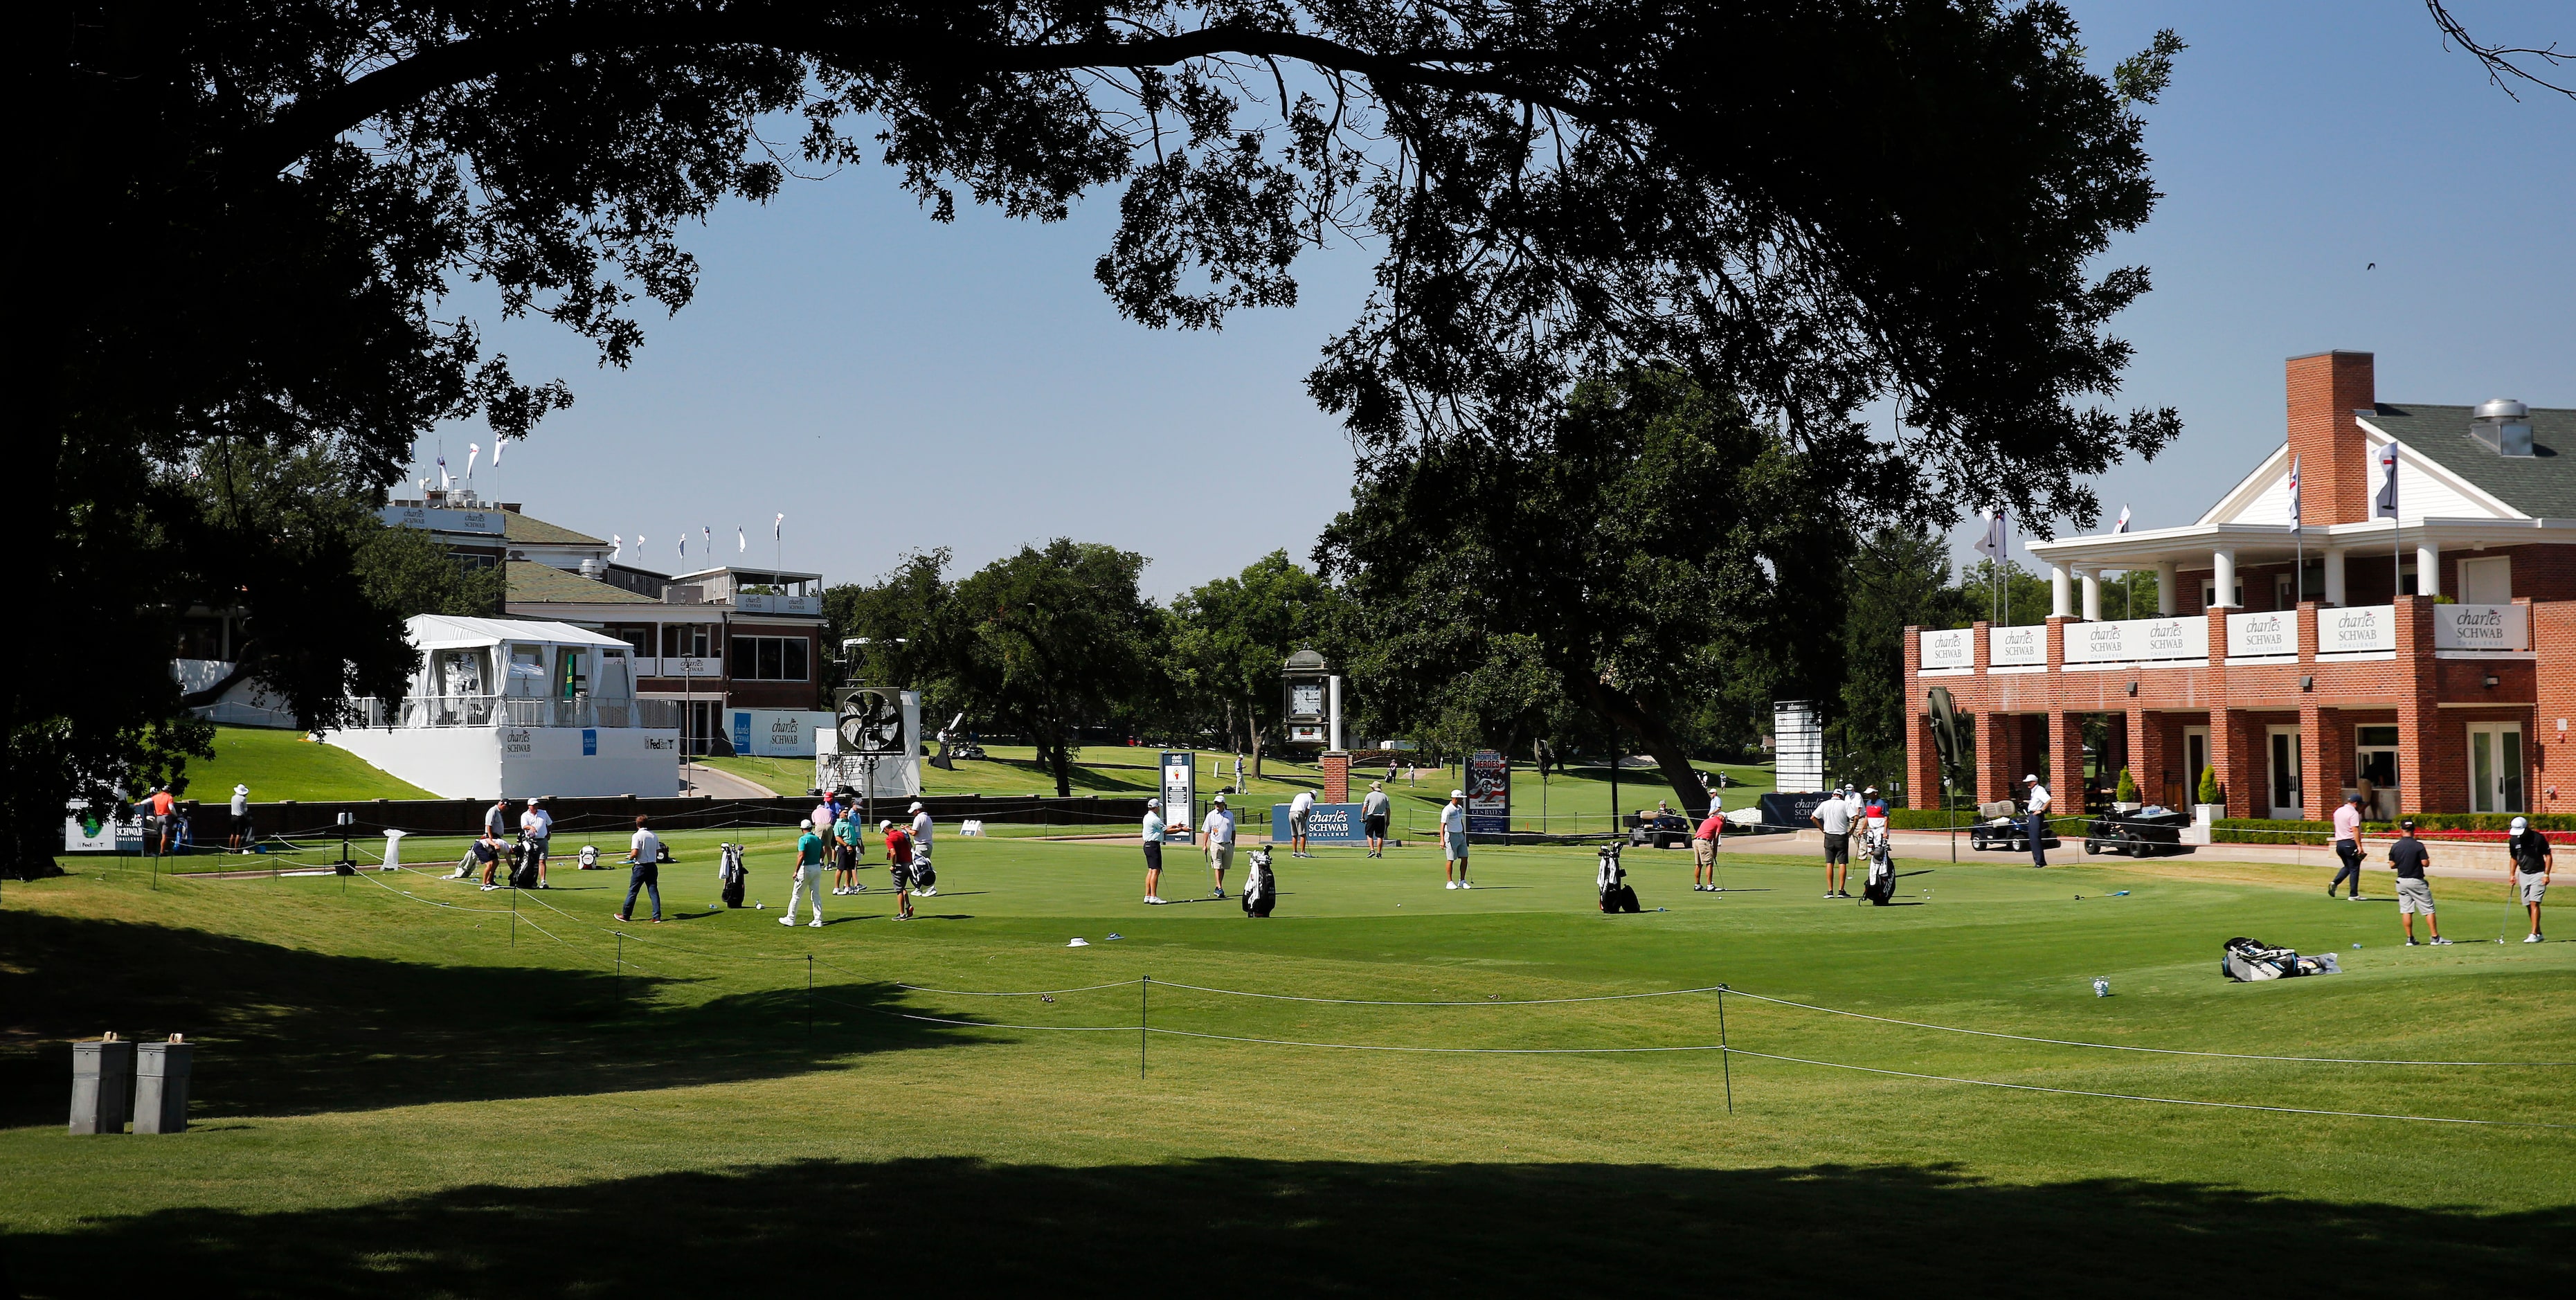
<point>845,852</point>
<point>921,844</point>
<point>898,842</point>
<point>240,836</point>
<point>1704,842</point>
<point>1453,840</point>
<point>496,819</point>
<point>487,851</point>
<point>2347,846</point>
<point>2414,893</point>
<point>2037,827</point>
<point>537,827</point>
<point>1299,809</point>
<point>643,858</point>
<point>1373,816</point>
<point>1216,835</point>
<point>808,880</point>
<point>2531,862</point>
<point>1834,818</point>
<point>1152,836</point>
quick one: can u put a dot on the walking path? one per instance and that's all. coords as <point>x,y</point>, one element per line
<point>722,784</point>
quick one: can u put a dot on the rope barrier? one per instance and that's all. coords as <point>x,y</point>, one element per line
<point>2167,1101</point>
<point>964,993</point>
<point>2124,1047</point>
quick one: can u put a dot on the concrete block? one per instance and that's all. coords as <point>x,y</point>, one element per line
<point>102,1085</point>
<point>161,1086</point>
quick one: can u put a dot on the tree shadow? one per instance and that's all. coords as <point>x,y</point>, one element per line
<point>291,1031</point>
<point>1274,1227</point>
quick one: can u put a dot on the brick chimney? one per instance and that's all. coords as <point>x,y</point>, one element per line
<point>2334,457</point>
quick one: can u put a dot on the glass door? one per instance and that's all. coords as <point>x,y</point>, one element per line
<point>2374,765</point>
<point>2283,743</point>
<point>2495,767</point>
<point>2195,756</point>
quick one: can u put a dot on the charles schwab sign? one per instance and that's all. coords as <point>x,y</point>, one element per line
<point>2481,627</point>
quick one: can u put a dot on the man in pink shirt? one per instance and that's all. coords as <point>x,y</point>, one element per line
<point>2347,845</point>
<point>1704,849</point>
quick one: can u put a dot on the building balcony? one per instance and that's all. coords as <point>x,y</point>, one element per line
<point>448,711</point>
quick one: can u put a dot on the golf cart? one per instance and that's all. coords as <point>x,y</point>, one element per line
<point>2000,829</point>
<point>1669,831</point>
<point>2146,833</point>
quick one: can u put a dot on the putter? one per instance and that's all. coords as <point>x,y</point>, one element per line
<point>2512,896</point>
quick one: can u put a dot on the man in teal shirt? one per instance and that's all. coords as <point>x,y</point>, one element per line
<point>845,853</point>
<point>809,878</point>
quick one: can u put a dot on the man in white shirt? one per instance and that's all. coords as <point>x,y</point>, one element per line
<point>1152,835</point>
<point>241,817</point>
<point>644,854</point>
<point>1374,811</point>
<point>537,826</point>
<point>1834,818</point>
<point>1453,841</point>
<point>1298,810</point>
<point>2037,826</point>
<point>921,845</point>
<point>1216,835</point>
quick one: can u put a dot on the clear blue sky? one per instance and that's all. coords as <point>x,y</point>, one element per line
<point>892,384</point>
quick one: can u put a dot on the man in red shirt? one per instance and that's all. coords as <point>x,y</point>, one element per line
<point>164,825</point>
<point>898,842</point>
<point>1704,849</point>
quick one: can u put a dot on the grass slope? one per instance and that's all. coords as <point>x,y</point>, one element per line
<point>284,765</point>
<point>400,1093</point>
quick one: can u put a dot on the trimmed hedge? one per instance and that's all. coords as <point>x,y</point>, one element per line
<point>1931,819</point>
<point>2490,821</point>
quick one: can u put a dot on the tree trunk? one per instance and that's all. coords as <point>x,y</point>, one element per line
<point>1672,758</point>
<point>1252,742</point>
<point>1060,761</point>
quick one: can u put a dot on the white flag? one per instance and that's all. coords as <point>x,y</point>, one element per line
<point>740,541</point>
<point>497,445</point>
<point>2123,525</point>
<point>472,451</point>
<point>710,535</point>
<point>684,545</point>
<point>2294,494</point>
<point>1991,545</point>
<point>616,546</point>
<point>445,479</point>
<point>2384,506</point>
<point>778,528</point>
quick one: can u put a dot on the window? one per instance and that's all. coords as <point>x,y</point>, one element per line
<point>638,636</point>
<point>2495,767</point>
<point>771,659</point>
<point>689,640</point>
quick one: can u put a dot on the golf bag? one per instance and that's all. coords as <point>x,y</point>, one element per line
<point>1881,885</point>
<point>730,873</point>
<point>590,857</point>
<point>2250,960</point>
<point>523,864</point>
<point>923,876</point>
<point>1612,879</point>
<point>1260,886</point>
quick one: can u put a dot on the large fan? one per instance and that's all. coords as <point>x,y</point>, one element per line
<point>871,722</point>
<point>1945,732</point>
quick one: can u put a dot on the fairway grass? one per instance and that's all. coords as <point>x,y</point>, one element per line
<point>284,765</point>
<point>401,1090</point>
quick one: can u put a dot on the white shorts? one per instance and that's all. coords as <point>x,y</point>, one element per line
<point>1220,856</point>
<point>2414,895</point>
<point>2534,884</point>
<point>1453,847</point>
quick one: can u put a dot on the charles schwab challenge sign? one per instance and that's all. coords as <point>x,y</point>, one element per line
<point>2259,635</point>
<point>2352,631</point>
<point>2027,644</point>
<point>438,519</point>
<point>1954,648</point>
<point>2135,640</point>
<point>2481,627</point>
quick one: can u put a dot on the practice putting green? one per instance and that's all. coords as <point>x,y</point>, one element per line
<point>402,1090</point>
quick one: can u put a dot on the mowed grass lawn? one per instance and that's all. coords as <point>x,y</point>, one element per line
<point>399,1093</point>
<point>1567,802</point>
<point>284,765</point>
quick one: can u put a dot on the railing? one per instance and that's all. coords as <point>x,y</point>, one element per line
<point>765,603</point>
<point>509,711</point>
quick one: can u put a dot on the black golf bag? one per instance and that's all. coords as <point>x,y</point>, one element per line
<point>924,876</point>
<point>1616,894</point>
<point>1260,886</point>
<point>1880,888</point>
<point>730,873</point>
<point>590,857</point>
<point>523,864</point>
<point>2249,961</point>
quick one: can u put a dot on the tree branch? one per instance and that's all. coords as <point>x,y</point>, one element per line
<point>2499,59</point>
<point>312,123</point>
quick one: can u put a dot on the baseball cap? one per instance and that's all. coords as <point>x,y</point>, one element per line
<point>2355,797</point>
<point>885,825</point>
<point>2407,825</point>
<point>2521,825</point>
<point>2029,780</point>
<point>916,806</point>
<point>241,789</point>
<point>1153,803</point>
<point>1457,794</point>
<point>1218,799</point>
<point>1871,790</point>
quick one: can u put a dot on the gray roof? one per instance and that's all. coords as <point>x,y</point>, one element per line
<point>2543,487</point>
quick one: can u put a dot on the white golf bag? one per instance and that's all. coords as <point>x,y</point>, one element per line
<point>1881,884</point>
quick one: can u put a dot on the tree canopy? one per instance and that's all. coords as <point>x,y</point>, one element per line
<point>256,219</point>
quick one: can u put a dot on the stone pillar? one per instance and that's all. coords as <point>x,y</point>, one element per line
<point>2061,593</point>
<point>2167,573</point>
<point>2224,562</point>
<point>2334,577</point>
<point>2428,569</point>
<point>1337,776</point>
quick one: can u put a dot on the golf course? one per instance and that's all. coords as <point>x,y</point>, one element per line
<point>405,1085</point>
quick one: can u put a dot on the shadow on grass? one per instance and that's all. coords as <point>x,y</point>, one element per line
<point>289,1030</point>
<point>1264,1227</point>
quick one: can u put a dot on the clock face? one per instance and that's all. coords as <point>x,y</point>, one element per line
<point>1306,698</point>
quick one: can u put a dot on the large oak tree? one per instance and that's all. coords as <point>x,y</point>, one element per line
<point>251,218</point>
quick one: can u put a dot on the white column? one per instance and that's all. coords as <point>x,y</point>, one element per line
<point>2225,564</point>
<point>2061,593</point>
<point>1333,709</point>
<point>2092,594</point>
<point>2165,587</point>
<point>2334,575</point>
<point>2428,568</point>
